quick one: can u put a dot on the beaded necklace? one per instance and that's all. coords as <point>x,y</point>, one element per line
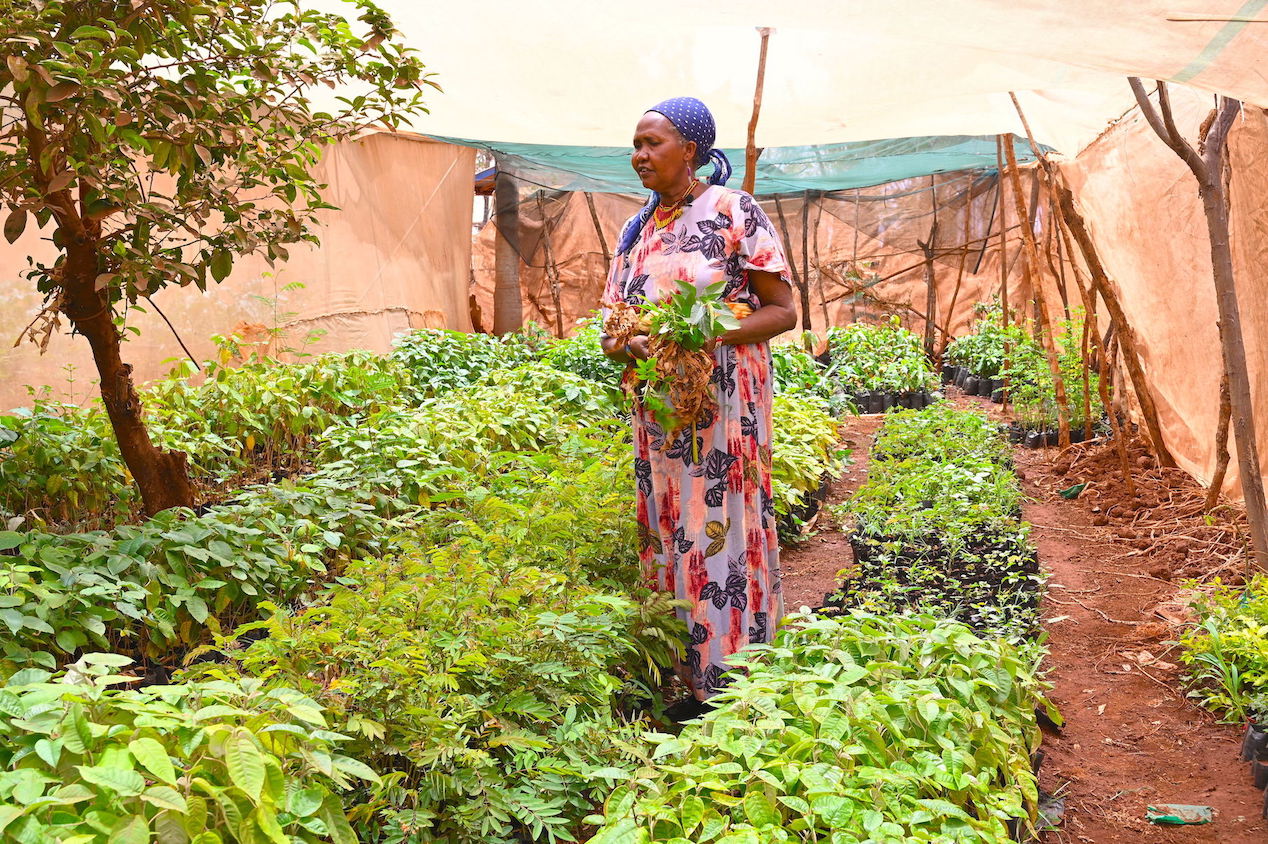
<point>663,215</point>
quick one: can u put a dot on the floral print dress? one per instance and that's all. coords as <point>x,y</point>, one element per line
<point>705,514</point>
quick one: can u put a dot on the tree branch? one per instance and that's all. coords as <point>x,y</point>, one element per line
<point>1164,124</point>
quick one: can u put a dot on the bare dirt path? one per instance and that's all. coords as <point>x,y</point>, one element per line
<point>1131,737</point>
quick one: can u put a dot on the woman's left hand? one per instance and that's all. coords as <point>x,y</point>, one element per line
<point>776,315</point>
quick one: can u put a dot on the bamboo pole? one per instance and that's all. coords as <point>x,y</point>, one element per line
<point>750,148</point>
<point>1032,263</point>
<point>1207,167</point>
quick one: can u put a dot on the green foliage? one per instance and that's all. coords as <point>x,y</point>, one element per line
<point>442,360</point>
<point>862,728</point>
<point>991,346</point>
<point>60,466</point>
<point>582,355</point>
<point>690,318</point>
<point>879,357</point>
<point>1033,391</point>
<point>1226,652</point>
<point>937,525</point>
<point>804,450</point>
<point>159,585</point>
<point>104,90</point>
<point>943,434</point>
<point>796,372</point>
<point>85,761</point>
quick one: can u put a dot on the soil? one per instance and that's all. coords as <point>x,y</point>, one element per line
<point>810,568</point>
<point>1114,605</point>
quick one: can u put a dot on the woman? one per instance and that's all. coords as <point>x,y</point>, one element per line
<point>705,513</point>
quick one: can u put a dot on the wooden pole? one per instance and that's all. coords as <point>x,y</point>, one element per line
<point>552,270</point>
<point>1111,410</point>
<point>788,251</point>
<point>1221,447</point>
<point>1032,264</point>
<point>508,304</point>
<point>750,149</point>
<point>1208,169</point>
<point>823,296</point>
<point>931,289</point>
<point>805,261</point>
<point>598,230</point>
<point>1003,260</point>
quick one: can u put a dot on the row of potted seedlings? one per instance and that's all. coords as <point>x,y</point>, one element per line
<point>972,384</point>
<point>880,401</point>
<point>1255,751</point>
<point>938,524</point>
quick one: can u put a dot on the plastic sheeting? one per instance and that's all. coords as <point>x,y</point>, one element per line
<point>825,167</point>
<point>1143,211</point>
<point>862,251</point>
<point>395,256</point>
<point>582,73</point>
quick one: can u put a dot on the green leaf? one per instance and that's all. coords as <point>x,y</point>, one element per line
<point>691,813</point>
<point>49,750</point>
<point>331,814</point>
<point>759,810</point>
<point>124,782</point>
<point>165,797</point>
<point>153,757</point>
<point>356,768</point>
<point>131,829</point>
<point>624,831</point>
<point>244,763</point>
<point>10,539</point>
<point>14,225</point>
<point>221,264</point>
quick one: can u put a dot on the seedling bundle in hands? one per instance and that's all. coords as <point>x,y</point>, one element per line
<point>673,382</point>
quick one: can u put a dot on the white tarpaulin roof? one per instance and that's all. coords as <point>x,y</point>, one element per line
<point>837,70</point>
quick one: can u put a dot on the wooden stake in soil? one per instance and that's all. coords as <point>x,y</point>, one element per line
<point>931,290</point>
<point>1207,166</point>
<point>798,282</point>
<point>823,297</point>
<point>805,261</point>
<point>750,149</point>
<point>959,276</point>
<point>1003,260</point>
<point>552,270</point>
<point>1032,262</point>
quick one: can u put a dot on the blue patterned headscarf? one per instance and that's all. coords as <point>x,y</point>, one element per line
<point>694,122</point>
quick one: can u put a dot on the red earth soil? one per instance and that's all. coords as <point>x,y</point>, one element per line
<point>1131,738</point>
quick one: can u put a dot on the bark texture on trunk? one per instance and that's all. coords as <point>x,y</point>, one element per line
<point>162,477</point>
<point>508,304</point>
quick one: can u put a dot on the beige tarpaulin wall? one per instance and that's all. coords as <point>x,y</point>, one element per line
<point>1143,211</point>
<point>395,256</point>
<point>862,249</point>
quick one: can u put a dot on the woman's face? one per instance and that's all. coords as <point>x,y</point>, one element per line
<point>661,158</point>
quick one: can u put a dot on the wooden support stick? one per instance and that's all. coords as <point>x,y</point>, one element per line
<point>1208,166</point>
<point>750,149</point>
<point>1032,263</point>
<point>959,276</point>
<point>598,230</point>
<point>805,261</point>
<point>823,297</point>
<point>552,270</point>
<point>1111,410</point>
<point>1003,260</point>
<point>1221,447</point>
<point>931,288</point>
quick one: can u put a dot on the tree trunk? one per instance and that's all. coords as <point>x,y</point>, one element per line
<point>161,476</point>
<point>508,304</point>
<point>931,289</point>
<point>1221,447</point>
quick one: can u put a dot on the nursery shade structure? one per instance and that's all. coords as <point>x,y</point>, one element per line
<point>580,73</point>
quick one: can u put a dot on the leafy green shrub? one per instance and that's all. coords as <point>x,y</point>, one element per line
<point>879,357</point>
<point>861,728</point>
<point>487,686</point>
<point>804,450</point>
<point>943,434</point>
<point>152,587</point>
<point>60,465</point>
<point>206,762</point>
<point>442,360</point>
<point>1033,391</point>
<point>1226,652</point>
<point>986,351</point>
<point>582,355</point>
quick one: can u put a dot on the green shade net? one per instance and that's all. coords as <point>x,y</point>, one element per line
<point>822,167</point>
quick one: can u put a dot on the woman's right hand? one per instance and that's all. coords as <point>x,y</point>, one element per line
<point>638,347</point>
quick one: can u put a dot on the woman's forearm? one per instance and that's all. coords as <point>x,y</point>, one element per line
<point>764,323</point>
